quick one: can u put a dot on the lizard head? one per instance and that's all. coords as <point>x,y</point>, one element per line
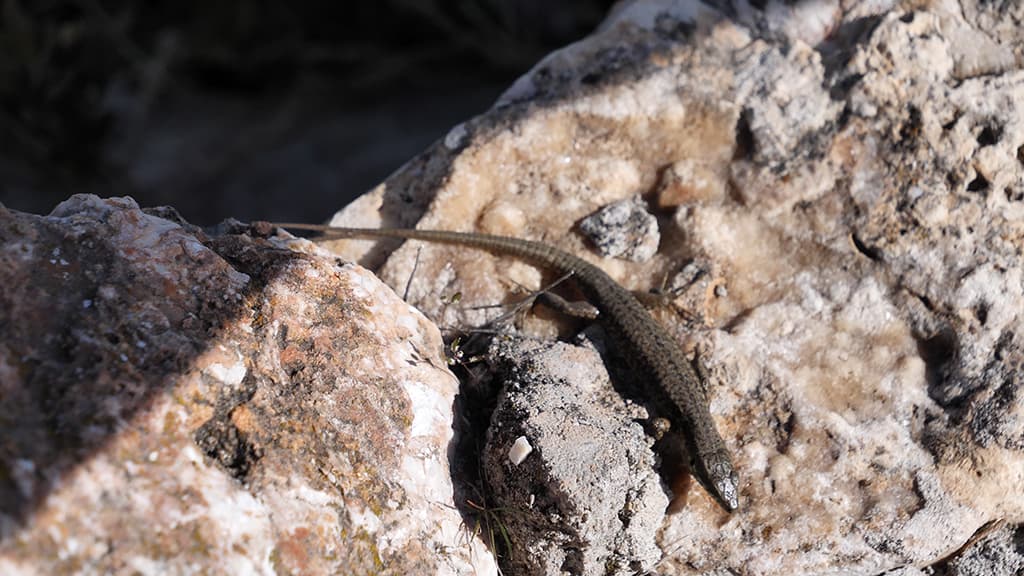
<point>715,472</point>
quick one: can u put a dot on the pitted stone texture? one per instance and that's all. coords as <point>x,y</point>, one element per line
<point>178,403</point>
<point>858,290</point>
<point>623,229</point>
<point>587,500</point>
<point>998,553</point>
<point>857,293</point>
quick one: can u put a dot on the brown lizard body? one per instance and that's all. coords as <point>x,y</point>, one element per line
<point>631,327</point>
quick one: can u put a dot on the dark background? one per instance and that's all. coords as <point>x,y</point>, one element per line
<point>250,109</point>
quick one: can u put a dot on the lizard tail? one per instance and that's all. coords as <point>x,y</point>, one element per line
<point>536,252</point>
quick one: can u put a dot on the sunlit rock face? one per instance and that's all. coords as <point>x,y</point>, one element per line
<point>838,200</point>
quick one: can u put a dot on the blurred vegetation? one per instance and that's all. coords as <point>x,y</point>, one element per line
<point>68,68</point>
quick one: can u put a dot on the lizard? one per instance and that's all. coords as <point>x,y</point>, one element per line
<point>632,329</point>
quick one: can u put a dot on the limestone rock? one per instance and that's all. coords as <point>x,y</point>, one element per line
<point>688,181</point>
<point>859,286</point>
<point>999,552</point>
<point>623,229</point>
<point>840,198</point>
<point>177,403</point>
<point>587,500</point>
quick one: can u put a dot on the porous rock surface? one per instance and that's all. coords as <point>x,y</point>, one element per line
<point>586,499</point>
<point>175,403</point>
<point>840,194</point>
<point>840,197</point>
<point>996,551</point>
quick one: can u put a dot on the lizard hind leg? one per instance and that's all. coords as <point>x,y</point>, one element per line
<point>579,309</point>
